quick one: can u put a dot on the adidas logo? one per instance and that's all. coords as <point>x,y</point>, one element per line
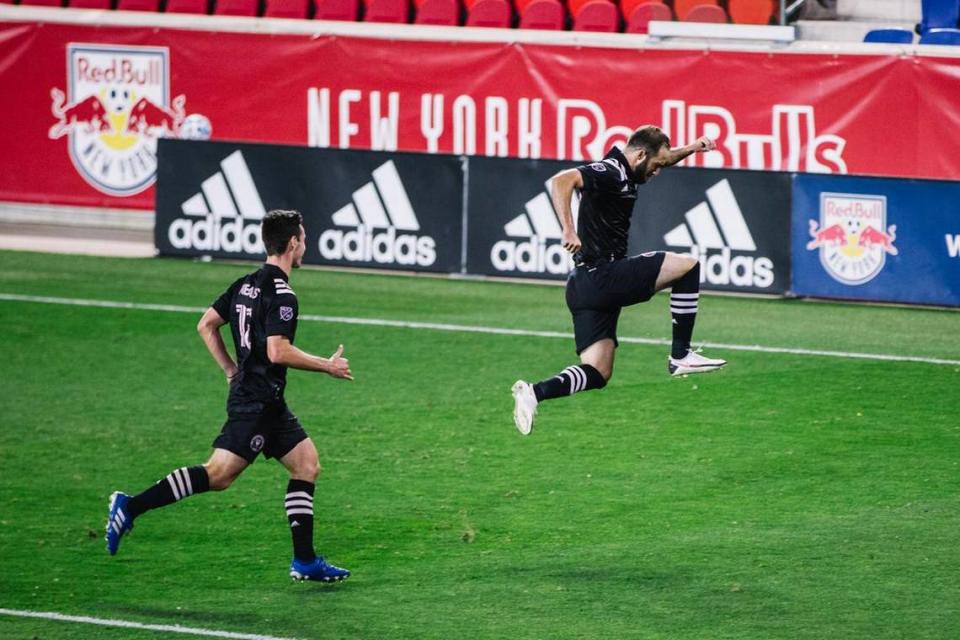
<point>542,251</point>
<point>700,234</point>
<point>217,217</point>
<point>366,214</point>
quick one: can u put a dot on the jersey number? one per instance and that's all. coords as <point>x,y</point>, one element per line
<point>244,312</point>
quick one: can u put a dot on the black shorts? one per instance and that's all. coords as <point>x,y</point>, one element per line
<point>596,293</point>
<point>274,430</point>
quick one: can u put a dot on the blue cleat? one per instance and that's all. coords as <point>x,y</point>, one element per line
<point>317,569</point>
<point>119,521</point>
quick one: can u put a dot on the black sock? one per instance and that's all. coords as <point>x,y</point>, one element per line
<point>177,485</point>
<point>683,307</point>
<point>299,505</point>
<point>579,377</point>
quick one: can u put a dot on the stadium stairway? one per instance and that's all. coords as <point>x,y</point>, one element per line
<point>856,17</point>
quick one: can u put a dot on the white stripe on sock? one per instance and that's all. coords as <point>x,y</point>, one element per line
<point>186,480</point>
<point>685,303</point>
<point>581,379</point>
<point>183,489</point>
<point>298,503</point>
<point>173,485</point>
<point>682,311</point>
<point>685,296</point>
<point>294,512</point>
<point>299,494</point>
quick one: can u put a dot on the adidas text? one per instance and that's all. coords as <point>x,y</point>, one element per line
<point>741,271</point>
<point>363,245</point>
<point>533,256</point>
<point>210,234</point>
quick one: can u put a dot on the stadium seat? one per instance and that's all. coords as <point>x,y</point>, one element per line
<point>542,14</point>
<point>891,36</point>
<point>682,7</point>
<point>438,12</point>
<point>336,10</point>
<point>298,9</point>
<point>249,8</point>
<point>489,13</point>
<point>138,5</point>
<point>638,21</point>
<point>42,3</point>
<point>598,15</point>
<point>752,11</point>
<point>939,14</point>
<point>187,6</point>
<point>941,36</point>
<point>707,13</point>
<point>574,6</point>
<point>396,11</point>
<point>89,4</point>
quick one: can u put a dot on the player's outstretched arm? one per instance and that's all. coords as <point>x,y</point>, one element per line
<point>280,351</point>
<point>209,330</point>
<point>561,192</point>
<point>702,145</point>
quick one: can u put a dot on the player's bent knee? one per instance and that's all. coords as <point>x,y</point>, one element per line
<point>220,479</point>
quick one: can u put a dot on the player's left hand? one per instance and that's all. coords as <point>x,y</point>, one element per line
<point>705,144</point>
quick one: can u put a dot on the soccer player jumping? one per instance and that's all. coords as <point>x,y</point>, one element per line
<point>604,279</point>
<point>261,309</point>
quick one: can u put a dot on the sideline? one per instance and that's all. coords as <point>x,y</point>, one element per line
<point>462,328</point>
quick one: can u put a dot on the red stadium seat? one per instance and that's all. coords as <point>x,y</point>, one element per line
<point>89,4</point>
<point>298,9</point>
<point>249,8</point>
<point>336,10</point>
<point>574,6</point>
<point>489,13</point>
<point>682,7</point>
<point>598,15</point>
<point>439,12</point>
<point>397,11</point>
<point>188,6</point>
<point>707,13</point>
<point>138,5</point>
<point>521,5</point>
<point>752,11</point>
<point>42,3</point>
<point>639,19</point>
<point>542,14</point>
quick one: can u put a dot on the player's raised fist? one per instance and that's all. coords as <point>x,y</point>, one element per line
<point>705,144</point>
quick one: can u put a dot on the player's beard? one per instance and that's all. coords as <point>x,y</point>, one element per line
<point>642,173</point>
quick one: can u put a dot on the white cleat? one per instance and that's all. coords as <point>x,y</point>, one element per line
<point>693,362</point>
<point>524,406</point>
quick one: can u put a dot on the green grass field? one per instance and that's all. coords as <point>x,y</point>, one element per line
<point>787,497</point>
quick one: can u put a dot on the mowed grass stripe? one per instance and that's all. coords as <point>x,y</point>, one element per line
<point>434,326</point>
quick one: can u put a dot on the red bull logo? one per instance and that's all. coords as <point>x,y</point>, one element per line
<point>852,236</point>
<point>115,108</point>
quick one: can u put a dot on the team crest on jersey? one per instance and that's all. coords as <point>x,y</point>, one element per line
<point>286,313</point>
<point>598,166</point>
<point>115,108</point>
<point>256,443</point>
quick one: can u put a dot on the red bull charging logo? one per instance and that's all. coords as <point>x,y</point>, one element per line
<point>852,236</point>
<point>115,108</point>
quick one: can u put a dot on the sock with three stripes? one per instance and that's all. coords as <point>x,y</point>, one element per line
<point>684,299</point>
<point>177,485</point>
<point>299,505</point>
<point>573,379</point>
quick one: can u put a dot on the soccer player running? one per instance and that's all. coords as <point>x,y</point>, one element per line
<point>261,309</point>
<point>604,279</point>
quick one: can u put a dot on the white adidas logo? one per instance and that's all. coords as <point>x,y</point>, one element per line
<point>732,235</point>
<point>542,251</point>
<point>218,215</point>
<point>366,213</point>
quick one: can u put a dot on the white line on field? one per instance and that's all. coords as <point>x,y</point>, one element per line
<point>172,628</point>
<point>464,328</point>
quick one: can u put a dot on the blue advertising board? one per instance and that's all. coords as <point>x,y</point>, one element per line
<point>876,239</point>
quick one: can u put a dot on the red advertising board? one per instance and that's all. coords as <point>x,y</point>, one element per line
<point>84,105</point>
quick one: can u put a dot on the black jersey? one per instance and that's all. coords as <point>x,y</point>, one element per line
<point>258,305</point>
<point>606,204</point>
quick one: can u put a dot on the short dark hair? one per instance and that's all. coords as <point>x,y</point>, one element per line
<point>650,138</point>
<point>278,226</point>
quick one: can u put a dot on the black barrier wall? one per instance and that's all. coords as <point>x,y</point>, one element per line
<point>360,208</point>
<point>408,211</point>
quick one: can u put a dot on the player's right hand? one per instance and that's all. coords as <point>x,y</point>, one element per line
<point>339,366</point>
<point>571,241</point>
